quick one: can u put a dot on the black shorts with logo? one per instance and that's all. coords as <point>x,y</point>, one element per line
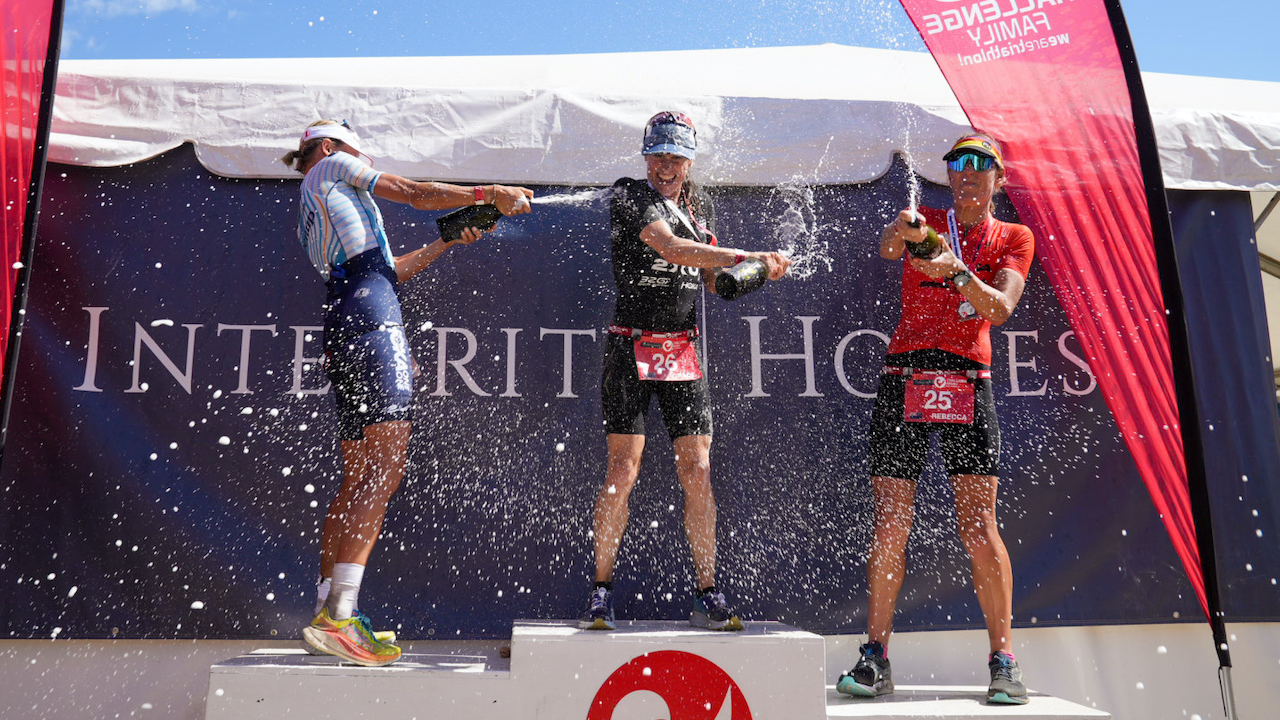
<point>900,449</point>
<point>685,404</point>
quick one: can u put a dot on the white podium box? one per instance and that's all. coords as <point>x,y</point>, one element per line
<point>953,702</point>
<point>289,683</point>
<point>662,669</point>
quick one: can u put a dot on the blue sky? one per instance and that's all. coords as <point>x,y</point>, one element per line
<point>1228,38</point>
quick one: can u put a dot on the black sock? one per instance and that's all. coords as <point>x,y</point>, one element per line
<point>876,648</point>
<point>706,590</point>
<point>606,585</point>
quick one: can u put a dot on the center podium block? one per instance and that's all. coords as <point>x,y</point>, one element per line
<point>648,669</point>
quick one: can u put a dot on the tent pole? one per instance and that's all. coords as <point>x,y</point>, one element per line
<point>1257,224</point>
<point>1179,348</point>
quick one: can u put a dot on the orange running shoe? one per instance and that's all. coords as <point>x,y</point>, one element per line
<point>350,640</point>
<point>386,637</point>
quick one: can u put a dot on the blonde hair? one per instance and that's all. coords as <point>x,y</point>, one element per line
<point>297,159</point>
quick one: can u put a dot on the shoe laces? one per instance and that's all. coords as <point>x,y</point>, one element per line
<point>363,622</point>
<point>1002,666</point>
<point>599,599</point>
<point>714,601</point>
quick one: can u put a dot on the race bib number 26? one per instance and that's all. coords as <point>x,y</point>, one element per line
<point>666,358</point>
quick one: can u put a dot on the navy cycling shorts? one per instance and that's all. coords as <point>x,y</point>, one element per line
<point>900,449</point>
<point>366,351</point>
<point>372,378</point>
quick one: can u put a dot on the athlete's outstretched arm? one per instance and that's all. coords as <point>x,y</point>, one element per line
<point>412,263</point>
<point>445,196</point>
<point>893,241</point>
<point>994,302</point>
<point>709,276</point>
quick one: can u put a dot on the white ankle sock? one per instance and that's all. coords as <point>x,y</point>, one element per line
<point>322,594</point>
<point>343,591</point>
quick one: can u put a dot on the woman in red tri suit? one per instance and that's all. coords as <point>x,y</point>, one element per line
<point>937,378</point>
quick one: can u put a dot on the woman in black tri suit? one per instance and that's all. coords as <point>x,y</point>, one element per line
<point>664,250</point>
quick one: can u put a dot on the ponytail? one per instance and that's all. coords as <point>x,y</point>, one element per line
<point>298,159</point>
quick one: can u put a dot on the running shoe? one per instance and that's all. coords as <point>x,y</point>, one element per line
<point>387,637</point>
<point>349,639</point>
<point>599,614</point>
<point>871,676</point>
<point>712,611</point>
<point>1006,681</point>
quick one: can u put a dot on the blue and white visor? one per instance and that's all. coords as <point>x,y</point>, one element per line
<point>672,138</point>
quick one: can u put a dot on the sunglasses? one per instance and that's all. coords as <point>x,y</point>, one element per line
<point>979,162</point>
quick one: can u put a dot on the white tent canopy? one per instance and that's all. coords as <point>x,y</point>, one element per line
<point>819,114</point>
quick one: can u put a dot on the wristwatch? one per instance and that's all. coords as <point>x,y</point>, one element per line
<point>960,279</point>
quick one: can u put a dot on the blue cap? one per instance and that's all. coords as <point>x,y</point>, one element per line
<point>672,133</point>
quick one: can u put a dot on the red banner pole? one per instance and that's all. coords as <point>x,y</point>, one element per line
<point>39,151</point>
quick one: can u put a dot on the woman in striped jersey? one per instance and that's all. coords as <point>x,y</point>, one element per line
<point>367,356</point>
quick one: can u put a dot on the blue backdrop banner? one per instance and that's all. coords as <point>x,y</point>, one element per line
<point>173,445</point>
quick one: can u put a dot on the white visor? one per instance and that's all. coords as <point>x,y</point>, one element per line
<point>337,132</point>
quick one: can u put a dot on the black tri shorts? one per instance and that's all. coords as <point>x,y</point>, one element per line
<point>685,404</point>
<point>900,449</point>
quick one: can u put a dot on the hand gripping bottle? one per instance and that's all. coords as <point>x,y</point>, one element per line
<point>930,246</point>
<point>483,217</point>
<point>734,282</point>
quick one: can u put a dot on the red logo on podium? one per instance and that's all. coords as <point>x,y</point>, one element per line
<point>693,687</point>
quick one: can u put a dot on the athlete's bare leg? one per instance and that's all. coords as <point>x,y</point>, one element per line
<point>693,466</point>
<point>355,461</point>
<point>612,509</point>
<point>380,458</point>
<point>886,565</point>
<point>992,573</point>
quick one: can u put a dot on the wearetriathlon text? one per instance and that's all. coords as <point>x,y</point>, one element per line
<point>1018,48</point>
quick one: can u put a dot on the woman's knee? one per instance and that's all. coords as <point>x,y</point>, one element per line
<point>979,534</point>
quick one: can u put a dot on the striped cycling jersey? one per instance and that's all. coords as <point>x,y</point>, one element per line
<point>338,218</point>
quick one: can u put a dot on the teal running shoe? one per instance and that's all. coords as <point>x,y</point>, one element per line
<point>1006,681</point>
<point>871,676</point>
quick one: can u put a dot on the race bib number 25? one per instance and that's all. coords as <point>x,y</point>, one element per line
<point>939,397</point>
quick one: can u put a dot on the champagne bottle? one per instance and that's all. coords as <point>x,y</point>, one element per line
<point>483,217</point>
<point>930,246</point>
<point>734,282</point>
